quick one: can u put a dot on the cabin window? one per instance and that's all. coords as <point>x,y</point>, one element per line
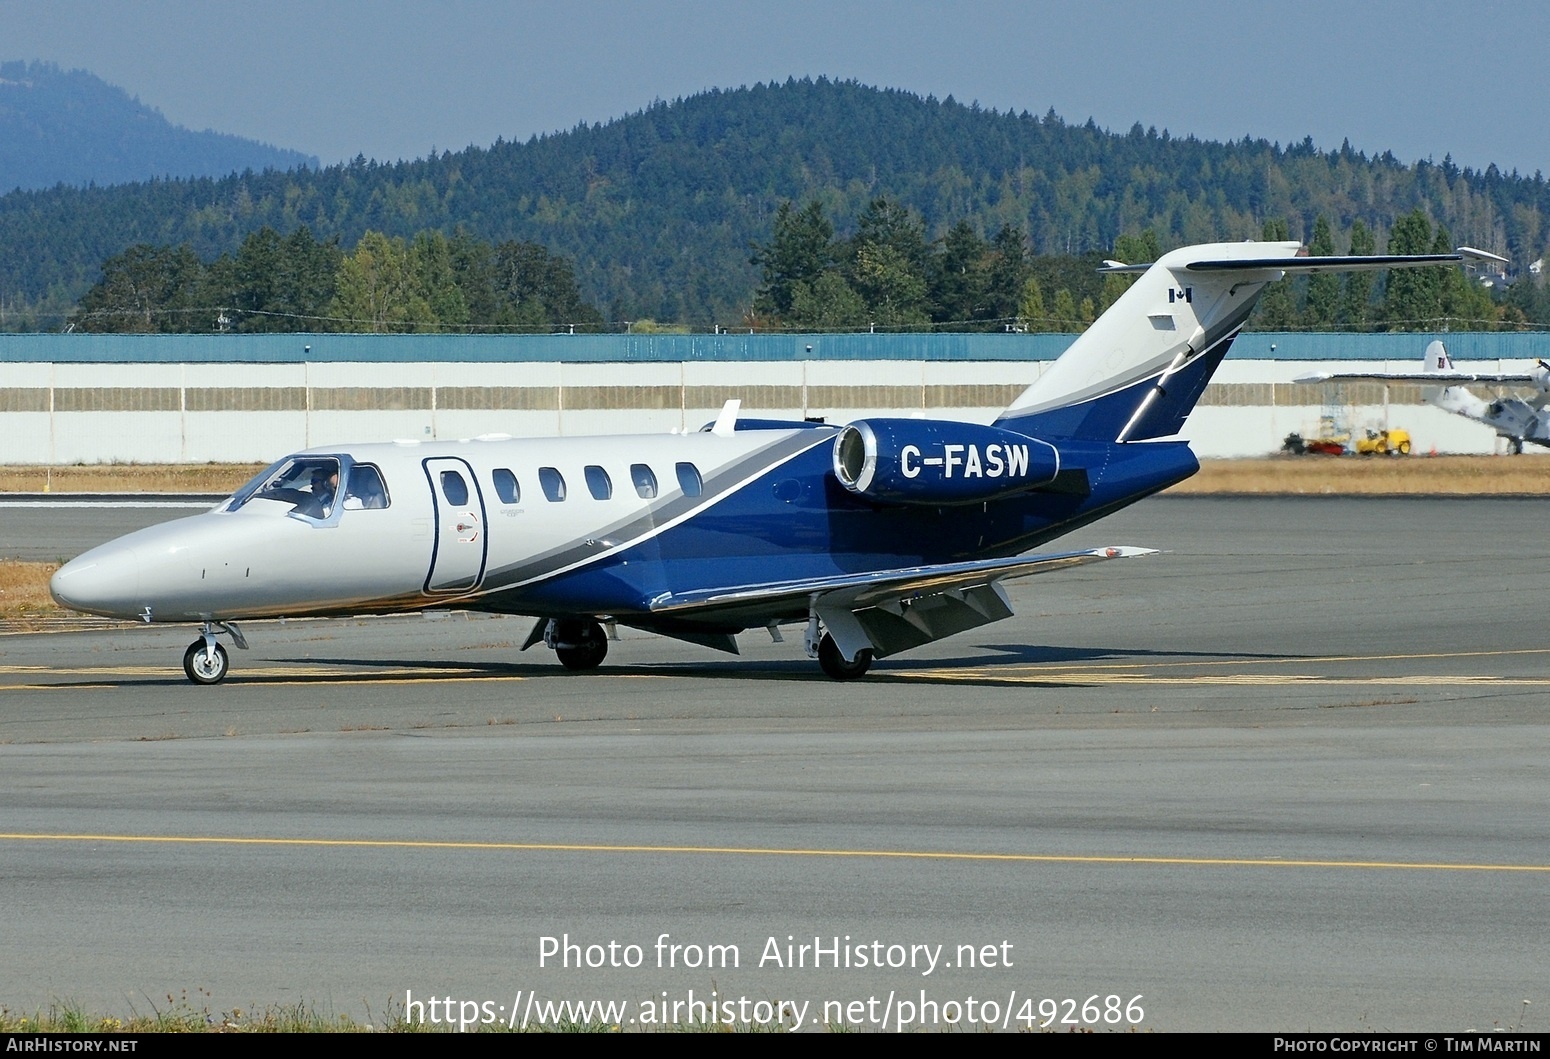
<point>506,486</point>
<point>645,481</point>
<point>598,483</point>
<point>689,479</point>
<point>454,488</point>
<point>552,482</point>
<point>365,489</point>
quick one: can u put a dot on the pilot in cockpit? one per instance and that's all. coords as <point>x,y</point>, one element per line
<point>325,484</point>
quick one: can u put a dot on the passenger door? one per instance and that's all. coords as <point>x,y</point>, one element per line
<point>461,544</point>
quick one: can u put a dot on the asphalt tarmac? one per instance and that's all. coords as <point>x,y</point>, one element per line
<point>1289,775</point>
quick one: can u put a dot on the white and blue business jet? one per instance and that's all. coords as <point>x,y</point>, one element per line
<point>878,536</point>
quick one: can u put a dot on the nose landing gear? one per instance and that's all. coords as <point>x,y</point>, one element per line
<point>205,661</point>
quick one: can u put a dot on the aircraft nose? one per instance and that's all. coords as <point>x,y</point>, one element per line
<point>105,580</point>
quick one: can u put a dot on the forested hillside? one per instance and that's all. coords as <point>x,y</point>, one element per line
<point>663,213</point>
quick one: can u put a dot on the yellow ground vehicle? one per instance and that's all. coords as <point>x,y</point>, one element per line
<point>1384,443</point>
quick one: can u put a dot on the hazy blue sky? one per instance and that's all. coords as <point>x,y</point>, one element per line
<point>391,79</point>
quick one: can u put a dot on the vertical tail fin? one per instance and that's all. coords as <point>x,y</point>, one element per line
<point>1436,357</point>
<point>1138,371</point>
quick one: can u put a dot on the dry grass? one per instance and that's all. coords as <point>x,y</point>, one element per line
<point>24,590</point>
<point>1375,476</point>
<point>128,478</point>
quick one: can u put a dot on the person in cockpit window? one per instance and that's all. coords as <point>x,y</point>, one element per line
<point>365,489</point>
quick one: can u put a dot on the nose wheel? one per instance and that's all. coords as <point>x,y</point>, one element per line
<point>206,663</point>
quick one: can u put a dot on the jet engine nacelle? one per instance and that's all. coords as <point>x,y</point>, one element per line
<point>927,461</point>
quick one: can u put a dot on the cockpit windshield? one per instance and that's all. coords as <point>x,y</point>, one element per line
<point>309,484</point>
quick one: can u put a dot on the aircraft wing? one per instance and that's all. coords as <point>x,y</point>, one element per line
<point>885,611</point>
<point>1434,378</point>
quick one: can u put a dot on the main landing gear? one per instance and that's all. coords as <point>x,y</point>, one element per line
<point>205,661</point>
<point>834,664</point>
<point>830,659</point>
<point>579,643</point>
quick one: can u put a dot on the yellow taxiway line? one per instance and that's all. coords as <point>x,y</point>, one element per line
<point>1096,673</point>
<point>759,851</point>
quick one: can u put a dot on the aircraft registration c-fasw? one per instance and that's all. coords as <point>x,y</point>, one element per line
<point>878,536</point>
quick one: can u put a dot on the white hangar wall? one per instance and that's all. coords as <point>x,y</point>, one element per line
<point>173,399</point>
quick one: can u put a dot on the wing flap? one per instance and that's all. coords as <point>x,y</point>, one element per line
<point>870,589</point>
<point>885,611</point>
<point>898,624</point>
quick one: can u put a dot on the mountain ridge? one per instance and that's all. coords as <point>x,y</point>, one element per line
<point>73,128</point>
<point>659,209</point>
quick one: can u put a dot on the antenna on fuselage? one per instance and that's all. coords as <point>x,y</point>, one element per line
<point>726,422</point>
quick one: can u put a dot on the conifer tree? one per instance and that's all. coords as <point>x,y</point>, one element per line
<point>1357,289</point>
<point>1277,306</point>
<point>1323,287</point>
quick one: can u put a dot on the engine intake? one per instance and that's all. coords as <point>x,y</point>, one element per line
<point>926,461</point>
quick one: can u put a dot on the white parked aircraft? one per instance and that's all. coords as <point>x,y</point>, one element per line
<point>1514,418</point>
<point>878,536</point>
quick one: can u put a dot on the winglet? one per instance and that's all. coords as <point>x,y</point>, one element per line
<point>1482,255</point>
<point>726,422</point>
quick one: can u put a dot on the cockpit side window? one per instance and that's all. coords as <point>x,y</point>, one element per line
<point>366,489</point>
<point>310,484</point>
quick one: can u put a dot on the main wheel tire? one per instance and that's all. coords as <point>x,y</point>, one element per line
<point>1404,448</point>
<point>580,644</point>
<point>205,666</point>
<point>834,663</point>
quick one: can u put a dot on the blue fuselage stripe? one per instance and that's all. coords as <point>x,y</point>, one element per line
<point>797,522</point>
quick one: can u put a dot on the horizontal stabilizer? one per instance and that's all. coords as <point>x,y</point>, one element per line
<point>1305,263</point>
<point>1367,263</point>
